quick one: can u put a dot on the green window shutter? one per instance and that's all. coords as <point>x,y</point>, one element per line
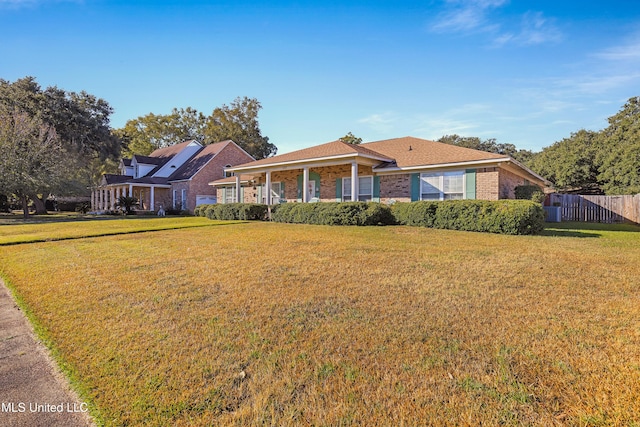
<point>241,195</point>
<point>282,193</point>
<point>224,195</point>
<point>259,192</point>
<point>415,187</point>
<point>338,189</point>
<point>314,176</point>
<point>376,188</point>
<point>300,180</point>
<point>470,190</point>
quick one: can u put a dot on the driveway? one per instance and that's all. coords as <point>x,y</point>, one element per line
<point>33,392</point>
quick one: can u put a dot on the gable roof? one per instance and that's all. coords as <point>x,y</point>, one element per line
<point>171,150</point>
<point>197,162</point>
<point>408,152</point>
<point>334,149</point>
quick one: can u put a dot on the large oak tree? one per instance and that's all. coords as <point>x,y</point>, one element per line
<point>79,123</point>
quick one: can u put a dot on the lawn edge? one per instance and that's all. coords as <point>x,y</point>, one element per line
<point>66,371</point>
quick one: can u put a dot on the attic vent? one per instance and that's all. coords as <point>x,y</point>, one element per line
<point>410,149</point>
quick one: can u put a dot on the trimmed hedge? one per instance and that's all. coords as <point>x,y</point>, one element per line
<point>529,192</point>
<point>333,213</point>
<point>502,216</point>
<point>233,211</point>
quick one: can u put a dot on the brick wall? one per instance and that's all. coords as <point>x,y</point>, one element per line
<point>395,187</point>
<point>508,182</point>
<point>487,184</point>
<point>199,184</point>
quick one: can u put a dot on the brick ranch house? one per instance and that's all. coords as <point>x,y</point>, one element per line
<point>400,169</point>
<point>174,177</point>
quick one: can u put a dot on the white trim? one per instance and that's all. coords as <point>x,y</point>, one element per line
<point>322,160</point>
<point>357,198</point>
<point>444,165</point>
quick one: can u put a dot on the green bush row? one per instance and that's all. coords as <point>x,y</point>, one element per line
<point>502,216</point>
<point>333,213</point>
<point>233,211</point>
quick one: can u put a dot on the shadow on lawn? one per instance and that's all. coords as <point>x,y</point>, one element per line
<point>585,229</point>
<point>567,233</point>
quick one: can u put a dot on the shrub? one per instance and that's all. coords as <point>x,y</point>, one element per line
<point>200,210</point>
<point>233,211</point>
<point>529,192</point>
<point>415,213</point>
<point>503,216</point>
<point>333,213</point>
<point>252,212</point>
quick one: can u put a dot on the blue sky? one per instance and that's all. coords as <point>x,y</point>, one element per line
<point>524,72</point>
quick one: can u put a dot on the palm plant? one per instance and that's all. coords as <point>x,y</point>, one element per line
<point>127,204</point>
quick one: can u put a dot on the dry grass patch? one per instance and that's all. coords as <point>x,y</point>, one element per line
<point>278,324</point>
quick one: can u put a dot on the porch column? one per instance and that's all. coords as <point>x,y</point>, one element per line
<point>103,199</point>
<point>99,199</point>
<point>354,182</point>
<point>130,190</point>
<point>118,193</point>
<point>93,200</point>
<point>151,208</point>
<point>267,189</point>
<point>305,185</point>
<point>112,198</point>
<point>238,189</point>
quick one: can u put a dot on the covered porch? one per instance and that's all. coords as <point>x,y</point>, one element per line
<point>308,183</point>
<point>150,195</point>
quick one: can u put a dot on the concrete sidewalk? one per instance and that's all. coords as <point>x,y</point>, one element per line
<point>33,392</point>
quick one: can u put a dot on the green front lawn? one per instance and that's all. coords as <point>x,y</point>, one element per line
<point>280,324</point>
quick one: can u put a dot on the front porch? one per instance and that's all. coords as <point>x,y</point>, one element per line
<point>339,182</point>
<point>150,197</point>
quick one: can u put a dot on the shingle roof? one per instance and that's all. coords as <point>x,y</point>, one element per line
<point>171,150</point>
<point>116,179</point>
<point>411,152</point>
<point>232,180</point>
<point>398,152</point>
<point>330,149</point>
<point>197,162</point>
<point>148,160</point>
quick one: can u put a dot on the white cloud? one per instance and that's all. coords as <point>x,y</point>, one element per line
<point>466,16</point>
<point>16,4</point>
<point>629,51</point>
<point>476,16</point>
<point>381,122</point>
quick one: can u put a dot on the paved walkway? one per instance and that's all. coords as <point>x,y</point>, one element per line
<point>33,392</point>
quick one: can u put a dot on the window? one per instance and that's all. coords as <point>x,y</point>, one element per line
<point>365,189</point>
<point>227,174</point>
<point>175,199</point>
<point>276,191</point>
<point>183,204</point>
<point>230,194</point>
<point>442,186</point>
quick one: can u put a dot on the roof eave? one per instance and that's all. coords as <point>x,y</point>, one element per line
<point>444,165</point>
<point>327,159</point>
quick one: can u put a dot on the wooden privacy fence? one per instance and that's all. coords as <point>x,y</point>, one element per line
<point>607,209</point>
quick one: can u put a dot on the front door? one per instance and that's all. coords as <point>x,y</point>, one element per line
<point>311,190</point>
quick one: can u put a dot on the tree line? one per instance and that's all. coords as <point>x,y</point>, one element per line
<point>602,162</point>
<point>54,142</point>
